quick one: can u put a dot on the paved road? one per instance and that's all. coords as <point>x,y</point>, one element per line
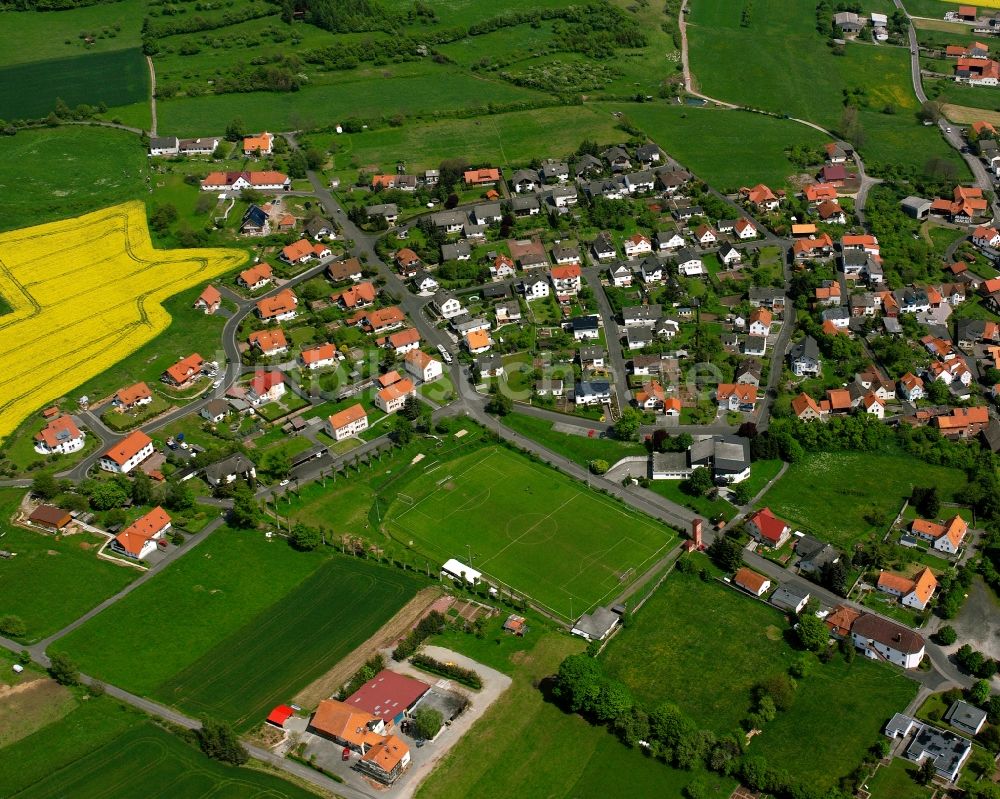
<point>612,334</point>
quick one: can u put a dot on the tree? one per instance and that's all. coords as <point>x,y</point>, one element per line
<point>499,404</point>
<point>925,500</point>
<point>411,408</point>
<point>142,488</point>
<point>402,430</point>
<point>163,217</point>
<point>627,426</point>
<point>834,576</point>
<point>235,130</point>
<point>779,687</point>
<point>305,539</point>
<point>297,165</point>
<point>614,701</point>
<point>741,494</point>
<point>699,483</point>
<point>925,775</point>
<point>598,466</point>
<point>979,693</point>
<point>726,552</point>
<point>12,626</point>
<point>937,392</point>
<point>244,513</point>
<point>427,722</point>
<point>930,111</point>
<point>63,669</point>
<point>106,495</point>
<point>178,496</point>
<point>44,485</point>
<point>218,741</point>
<point>946,635</point>
<point>578,683</point>
<point>812,632</point>
<point>850,126</point>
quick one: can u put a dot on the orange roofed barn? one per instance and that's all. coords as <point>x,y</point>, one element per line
<point>748,580</point>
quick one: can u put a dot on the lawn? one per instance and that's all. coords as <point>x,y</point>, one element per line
<point>526,525</point>
<point>525,746</point>
<point>898,780</point>
<point>738,641</point>
<point>31,91</point>
<point>809,491</point>
<point>53,173</point>
<point>745,147</point>
<point>761,472</point>
<point>711,508</point>
<point>291,643</point>
<point>147,759</point>
<point>772,52</point>
<point>341,505</point>
<point>47,35</point>
<point>66,576</point>
<point>173,620</point>
<point>74,321</point>
<point>581,449</point>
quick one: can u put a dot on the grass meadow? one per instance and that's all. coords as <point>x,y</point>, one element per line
<point>147,759</point>
<point>118,77</point>
<point>787,67</point>
<point>54,173</point>
<point>525,746</point>
<point>538,531</point>
<point>238,625</point>
<point>707,659</point>
<point>811,488</point>
<point>288,645</point>
<point>67,576</point>
<point>581,449</point>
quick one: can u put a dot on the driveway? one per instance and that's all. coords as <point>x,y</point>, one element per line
<point>979,622</point>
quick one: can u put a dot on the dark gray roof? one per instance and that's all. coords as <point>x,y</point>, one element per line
<point>163,142</point>
<point>789,598</point>
<point>648,313</point>
<point>598,624</point>
<point>593,387</point>
<point>255,216</point>
<point>584,322</point>
<point>591,353</point>
<point>807,348</point>
<point>524,203</point>
<point>525,175</point>
<point>237,463</point>
<point>317,225</point>
<point>962,714</point>
<point>495,290</point>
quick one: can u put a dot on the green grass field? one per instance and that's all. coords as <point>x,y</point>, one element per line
<point>525,746</point>
<point>147,759</point>
<point>810,489</point>
<point>66,575</point>
<point>250,621</point>
<point>898,780</point>
<point>786,66</point>
<point>54,173</point>
<point>30,91</point>
<point>37,36</point>
<point>291,643</point>
<point>744,147</point>
<point>581,449</point>
<point>539,532</point>
<point>707,659</point>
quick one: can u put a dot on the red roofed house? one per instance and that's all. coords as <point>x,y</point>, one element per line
<point>422,366</point>
<point>237,181</point>
<point>269,342</point>
<point>319,357</point>
<point>132,397</point>
<point>404,341</point>
<point>768,528</point>
<point>265,387</point>
<point>256,277</point>
<point>477,341</point>
<point>985,237</point>
<point>816,193</point>
<point>139,539</point>
<point>944,537</point>
<point>807,409</point>
<point>60,436</point>
<point>298,252</point>
<point>481,177</point>
<point>185,371</point>
<point>356,729</point>
<point>348,422</point>
<point>749,580</point>
<point>381,321</point>
<point>736,396</point>
<point>672,406</point>
<point>386,760</point>
<point>388,696</point>
<point>760,322</point>
<point>210,300</point>
<point>357,296</point>
<point>651,396</point>
<point>834,174</point>
<point>745,229</point>
<point>391,398</point>
<point>566,280</point>
<point>279,308</point>
<point>762,197</point>
<point>915,593</point>
<point>963,422</point>
<point>262,144</point>
<point>279,716</point>
<point>123,457</point>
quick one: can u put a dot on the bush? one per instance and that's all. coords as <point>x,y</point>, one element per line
<point>63,669</point>
<point>598,466</point>
<point>218,741</point>
<point>12,626</point>
<point>430,624</point>
<point>451,671</point>
<point>427,722</point>
<point>946,636</point>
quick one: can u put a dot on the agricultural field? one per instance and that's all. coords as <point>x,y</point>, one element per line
<point>92,313</point>
<point>51,173</point>
<point>809,489</point>
<point>539,532</point>
<point>291,643</point>
<point>787,67</point>
<point>251,621</point>
<point>525,746</point>
<point>144,759</point>
<point>65,570</point>
<point>739,641</point>
<point>114,78</point>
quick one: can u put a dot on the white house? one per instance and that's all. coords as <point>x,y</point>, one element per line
<point>447,305</point>
<point>592,392</point>
<point>319,357</point>
<point>138,540</point>
<point>621,276</point>
<point>745,229</point>
<point>535,289</point>
<point>880,638</point>
<point>60,436</point>
<point>123,457</point>
<point>689,263</point>
<point>391,398</point>
<point>348,422</point>
<point>422,366</point>
<point>637,245</point>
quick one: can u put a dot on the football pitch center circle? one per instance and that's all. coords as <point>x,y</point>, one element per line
<point>531,528</point>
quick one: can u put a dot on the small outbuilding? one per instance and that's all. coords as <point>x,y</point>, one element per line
<point>49,517</point>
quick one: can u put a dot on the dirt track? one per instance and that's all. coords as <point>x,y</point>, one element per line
<point>388,634</point>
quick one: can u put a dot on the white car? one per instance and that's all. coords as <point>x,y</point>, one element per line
<point>284,482</point>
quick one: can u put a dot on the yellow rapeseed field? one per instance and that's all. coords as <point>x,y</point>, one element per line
<point>85,293</point>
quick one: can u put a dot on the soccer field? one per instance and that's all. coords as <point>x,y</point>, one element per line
<point>566,547</point>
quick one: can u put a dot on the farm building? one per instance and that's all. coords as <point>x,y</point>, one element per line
<point>49,517</point>
<point>388,696</point>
